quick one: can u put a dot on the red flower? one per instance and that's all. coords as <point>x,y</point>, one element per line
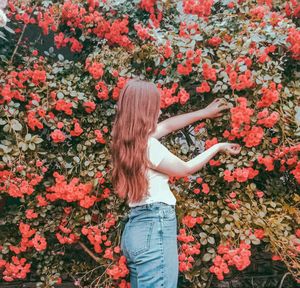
<point>96,70</point>
<point>215,41</point>
<point>39,242</point>
<point>204,87</point>
<point>57,136</point>
<point>142,32</point>
<point>209,73</point>
<point>30,214</point>
<point>259,233</point>
<point>201,8</point>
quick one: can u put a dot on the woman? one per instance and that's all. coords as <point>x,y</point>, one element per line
<point>141,169</point>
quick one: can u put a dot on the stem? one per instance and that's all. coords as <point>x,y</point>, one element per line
<point>281,282</point>
<point>88,251</point>
<point>19,40</point>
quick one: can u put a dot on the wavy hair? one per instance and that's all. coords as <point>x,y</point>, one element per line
<point>136,118</point>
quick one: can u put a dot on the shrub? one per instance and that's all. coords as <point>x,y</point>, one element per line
<point>59,214</point>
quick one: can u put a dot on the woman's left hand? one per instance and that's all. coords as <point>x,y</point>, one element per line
<point>214,109</point>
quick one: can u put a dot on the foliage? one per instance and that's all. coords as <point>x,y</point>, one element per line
<point>56,115</point>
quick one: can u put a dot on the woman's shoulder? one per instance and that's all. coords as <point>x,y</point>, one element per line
<point>153,139</point>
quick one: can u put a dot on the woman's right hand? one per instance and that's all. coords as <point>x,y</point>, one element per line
<point>230,148</point>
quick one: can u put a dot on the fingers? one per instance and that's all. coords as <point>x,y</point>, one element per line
<point>235,148</point>
<point>219,100</point>
<point>223,107</point>
<point>221,104</point>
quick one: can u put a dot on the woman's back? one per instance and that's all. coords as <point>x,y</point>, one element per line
<point>159,190</point>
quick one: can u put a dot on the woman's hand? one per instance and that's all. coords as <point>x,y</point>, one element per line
<point>214,109</point>
<point>230,148</point>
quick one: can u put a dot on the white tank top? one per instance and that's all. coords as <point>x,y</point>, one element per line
<point>159,189</point>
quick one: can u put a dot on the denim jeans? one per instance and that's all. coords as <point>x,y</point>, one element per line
<point>149,243</point>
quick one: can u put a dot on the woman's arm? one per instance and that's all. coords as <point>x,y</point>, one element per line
<point>174,166</point>
<point>177,122</point>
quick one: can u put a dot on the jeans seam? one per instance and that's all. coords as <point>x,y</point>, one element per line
<point>162,260</point>
<point>162,248</point>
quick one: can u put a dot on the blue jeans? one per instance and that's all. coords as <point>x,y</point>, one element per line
<point>149,243</point>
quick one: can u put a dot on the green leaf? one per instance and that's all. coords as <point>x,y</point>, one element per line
<point>206,257</point>
<point>37,140</point>
<point>16,125</point>
<point>211,240</point>
<point>31,146</point>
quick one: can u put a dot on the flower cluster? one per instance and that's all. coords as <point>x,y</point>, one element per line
<point>142,32</point>
<point>201,8</point>
<point>292,8</point>
<point>214,41</point>
<point>149,6</point>
<point>167,97</point>
<point>204,186</point>
<point>96,235</point>
<point>95,69</point>
<point>188,30</point>
<point>65,235</point>
<point>267,120</point>
<point>58,136</point>
<point>18,186</point>
<point>238,257</point>
<point>204,87</point>
<point>77,131</point>
<point>232,202</point>
<point>61,41</point>
<point>114,33</point>
<point>241,121</point>
<point>63,105</point>
<point>89,106</point>
<point>269,95</point>
<point>267,161</point>
<point>118,270</point>
<point>187,250</point>
<point>74,191</point>
<point>294,39</point>
<point>191,221</point>
<point>209,73</point>
<point>292,162</point>
<point>99,137</point>
<point>93,234</point>
<point>242,81</point>
<point>25,242</point>
<point>240,174</point>
<point>192,57</point>
<point>45,20</point>
<point>17,269</point>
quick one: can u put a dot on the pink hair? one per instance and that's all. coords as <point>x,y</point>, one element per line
<point>137,114</point>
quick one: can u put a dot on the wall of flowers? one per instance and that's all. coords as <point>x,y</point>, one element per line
<point>59,216</point>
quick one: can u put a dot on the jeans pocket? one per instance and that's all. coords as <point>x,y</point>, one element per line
<point>138,237</point>
<point>169,213</point>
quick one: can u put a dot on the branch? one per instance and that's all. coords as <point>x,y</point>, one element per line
<point>21,36</point>
<point>88,251</point>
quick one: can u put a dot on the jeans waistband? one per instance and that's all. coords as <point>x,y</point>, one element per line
<point>151,205</point>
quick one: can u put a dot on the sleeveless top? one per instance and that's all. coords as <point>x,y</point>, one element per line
<point>159,189</point>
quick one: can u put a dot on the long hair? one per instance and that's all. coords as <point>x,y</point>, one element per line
<point>136,118</point>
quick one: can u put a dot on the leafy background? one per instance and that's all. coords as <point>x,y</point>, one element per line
<point>63,64</point>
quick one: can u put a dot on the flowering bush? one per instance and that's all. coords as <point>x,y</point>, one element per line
<point>59,215</point>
